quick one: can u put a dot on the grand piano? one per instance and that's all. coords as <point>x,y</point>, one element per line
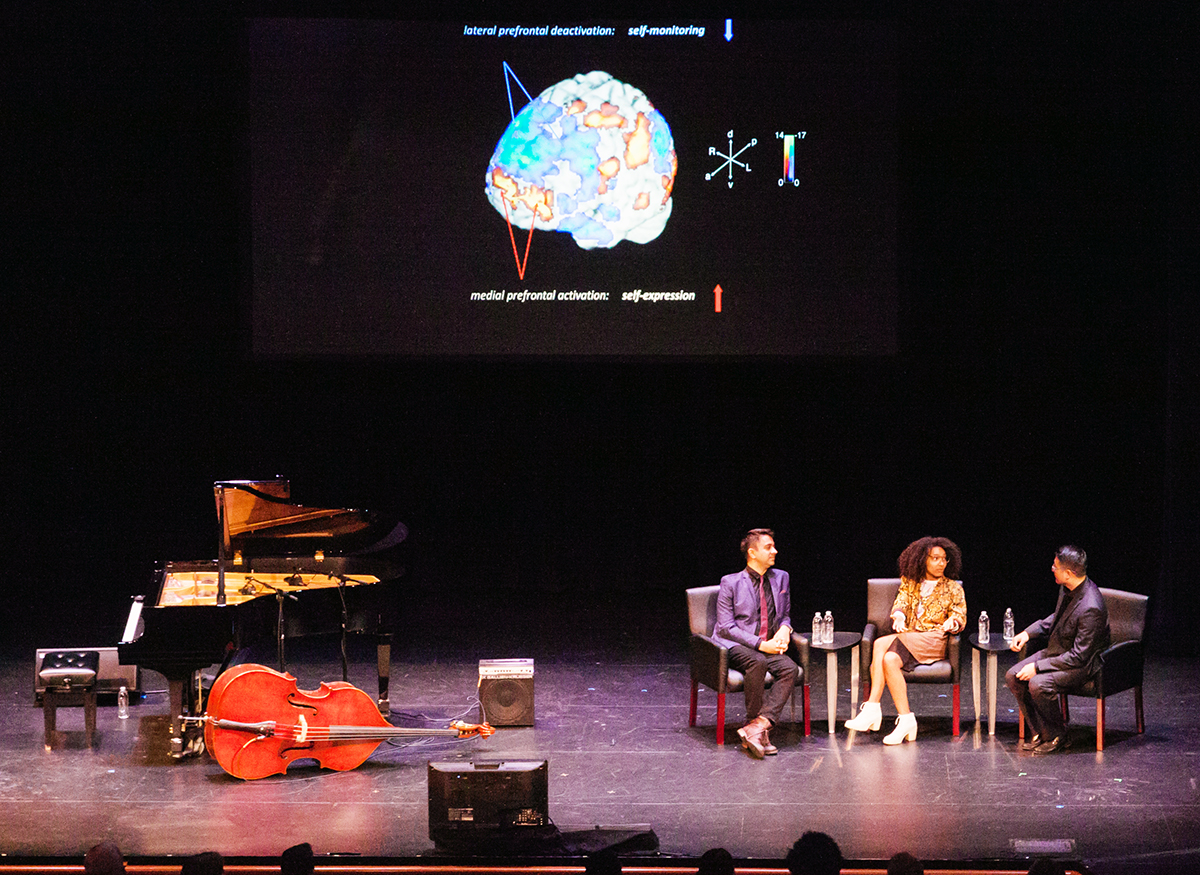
<point>282,571</point>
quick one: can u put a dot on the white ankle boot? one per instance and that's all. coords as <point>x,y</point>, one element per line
<point>906,728</point>
<point>869,719</point>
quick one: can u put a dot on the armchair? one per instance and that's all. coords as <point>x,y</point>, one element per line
<point>709,660</point>
<point>881,594</point>
<point>1121,664</point>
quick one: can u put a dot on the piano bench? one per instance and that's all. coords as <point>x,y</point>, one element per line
<point>69,677</point>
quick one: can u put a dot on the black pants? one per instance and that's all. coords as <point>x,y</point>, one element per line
<point>1038,697</point>
<point>754,665</point>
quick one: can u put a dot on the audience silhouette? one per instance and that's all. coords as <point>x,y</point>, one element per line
<point>904,863</point>
<point>715,861</point>
<point>104,859</point>
<point>205,863</point>
<point>815,853</point>
<point>604,862</point>
<point>297,860</point>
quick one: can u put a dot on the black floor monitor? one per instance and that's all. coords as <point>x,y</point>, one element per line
<point>487,800</point>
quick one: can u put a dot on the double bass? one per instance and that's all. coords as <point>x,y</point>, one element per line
<point>259,722</point>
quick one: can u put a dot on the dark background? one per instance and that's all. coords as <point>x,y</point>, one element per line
<point>1043,392</point>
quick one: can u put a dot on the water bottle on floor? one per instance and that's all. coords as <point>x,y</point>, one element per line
<point>123,703</point>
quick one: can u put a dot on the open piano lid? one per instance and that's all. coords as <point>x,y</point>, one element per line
<point>258,518</point>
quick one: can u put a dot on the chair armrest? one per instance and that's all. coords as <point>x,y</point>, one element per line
<point>709,661</point>
<point>803,650</point>
<point>954,652</point>
<point>1121,667</point>
<point>867,649</point>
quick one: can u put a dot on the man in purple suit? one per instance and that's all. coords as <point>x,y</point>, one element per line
<point>754,610</point>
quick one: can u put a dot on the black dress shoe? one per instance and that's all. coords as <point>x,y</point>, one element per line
<point>1059,742</point>
<point>1031,742</point>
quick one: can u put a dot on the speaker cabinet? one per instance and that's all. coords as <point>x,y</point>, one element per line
<point>506,692</point>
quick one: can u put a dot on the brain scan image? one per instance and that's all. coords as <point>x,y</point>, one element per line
<point>589,156</point>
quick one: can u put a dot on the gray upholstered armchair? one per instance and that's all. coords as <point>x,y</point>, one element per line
<point>1121,663</point>
<point>709,660</point>
<point>881,595</point>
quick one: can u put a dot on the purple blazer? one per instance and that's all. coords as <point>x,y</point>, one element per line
<point>737,606</point>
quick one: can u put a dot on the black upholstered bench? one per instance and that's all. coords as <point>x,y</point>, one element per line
<point>69,677</point>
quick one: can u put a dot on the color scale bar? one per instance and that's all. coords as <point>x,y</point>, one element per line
<point>789,157</point>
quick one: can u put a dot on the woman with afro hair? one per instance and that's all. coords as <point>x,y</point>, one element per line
<point>929,606</point>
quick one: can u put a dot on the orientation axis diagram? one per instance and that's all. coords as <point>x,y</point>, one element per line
<point>590,157</point>
<point>731,158</point>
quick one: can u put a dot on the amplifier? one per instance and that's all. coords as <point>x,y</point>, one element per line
<point>506,692</point>
<point>506,668</point>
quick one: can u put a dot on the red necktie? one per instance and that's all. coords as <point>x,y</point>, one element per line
<point>763,610</point>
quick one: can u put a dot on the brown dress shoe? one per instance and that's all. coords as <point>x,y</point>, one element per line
<point>1031,742</point>
<point>752,743</point>
<point>753,735</point>
<point>768,748</point>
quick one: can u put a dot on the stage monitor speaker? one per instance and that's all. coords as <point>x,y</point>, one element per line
<point>473,802</point>
<point>506,692</point>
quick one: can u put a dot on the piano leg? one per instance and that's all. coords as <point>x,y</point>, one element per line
<point>384,653</point>
<point>187,735</point>
<point>280,633</point>
<point>175,699</point>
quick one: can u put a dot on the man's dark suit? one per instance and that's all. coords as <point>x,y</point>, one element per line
<point>1078,631</point>
<point>738,623</point>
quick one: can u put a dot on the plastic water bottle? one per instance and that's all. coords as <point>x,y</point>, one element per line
<point>984,627</point>
<point>818,632</point>
<point>1010,629</point>
<point>828,625</point>
<point>123,703</point>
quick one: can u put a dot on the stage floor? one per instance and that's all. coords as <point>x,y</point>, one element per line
<point>612,724</point>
